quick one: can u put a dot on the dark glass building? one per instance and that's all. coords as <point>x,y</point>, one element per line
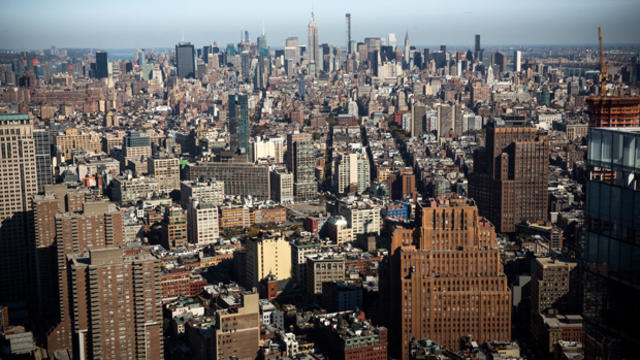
<point>102,66</point>
<point>611,257</point>
<point>185,60</point>
<point>239,122</point>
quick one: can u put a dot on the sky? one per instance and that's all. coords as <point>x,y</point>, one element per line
<point>117,24</point>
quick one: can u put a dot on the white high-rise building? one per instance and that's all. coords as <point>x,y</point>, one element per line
<point>392,40</point>
<point>407,48</point>
<point>517,60</point>
<point>291,50</point>
<point>203,223</point>
<point>267,254</point>
<point>351,170</point>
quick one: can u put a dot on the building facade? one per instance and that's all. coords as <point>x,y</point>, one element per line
<point>185,60</point>
<point>446,278</point>
<point>268,254</point>
<point>612,254</point>
<point>239,178</point>
<point>167,172</point>
<point>511,175</point>
<point>209,191</point>
<point>19,181</point>
<point>202,223</point>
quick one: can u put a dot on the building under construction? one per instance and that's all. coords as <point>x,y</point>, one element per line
<point>609,111</point>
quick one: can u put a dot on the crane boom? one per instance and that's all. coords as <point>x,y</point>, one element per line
<point>603,69</point>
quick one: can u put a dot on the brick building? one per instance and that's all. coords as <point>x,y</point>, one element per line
<point>511,175</point>
<point>446,280</point>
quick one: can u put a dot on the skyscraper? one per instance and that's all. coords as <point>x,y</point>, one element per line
<point>239,122</point>
<point>348,19</point>
<point>517,61</point>
<point>313,44</point>
<point>185,60</point>
<point>446,279</point>
<point>500,61</point>
<point>511,174</point>
<point>291,50</point>
<point>102,66</point>
<point>301,162</point>
<point>97,226</point>
<point>612,251</point>
<point>407,49</point>
<point>19,181</point>
<point>392,40</point>
<point>117,304</point>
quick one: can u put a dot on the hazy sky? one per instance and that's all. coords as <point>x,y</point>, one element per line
<point>160,23</point>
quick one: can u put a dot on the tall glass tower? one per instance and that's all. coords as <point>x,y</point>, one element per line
<point>239,122</point>
<point>611,256</point>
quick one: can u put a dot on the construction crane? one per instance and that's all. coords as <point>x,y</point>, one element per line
<point>603,66</point>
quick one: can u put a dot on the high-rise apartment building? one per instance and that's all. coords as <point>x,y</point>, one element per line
<point>446,278</point>
<point>351,173</point>
<point>185,60</point>
<point>419,124</point>
<point>98,226</point>
<point>239,123</point>
<point>117,305</point>
<point>102,65</point>
<point>313,44</point>
<point>43,158</point>
<point>19,183</point>
<point>511,174</point>
<point>348,39</point>
<point>301,162</point>
<point>612,252</point>
<point>268,254</point>
<point>446,119</point>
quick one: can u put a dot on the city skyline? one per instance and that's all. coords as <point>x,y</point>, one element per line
<point>153,25</point>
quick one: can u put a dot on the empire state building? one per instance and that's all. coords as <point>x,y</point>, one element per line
<point>313,51</point>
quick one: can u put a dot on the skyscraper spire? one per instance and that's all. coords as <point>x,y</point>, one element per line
<point>313,44</point>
